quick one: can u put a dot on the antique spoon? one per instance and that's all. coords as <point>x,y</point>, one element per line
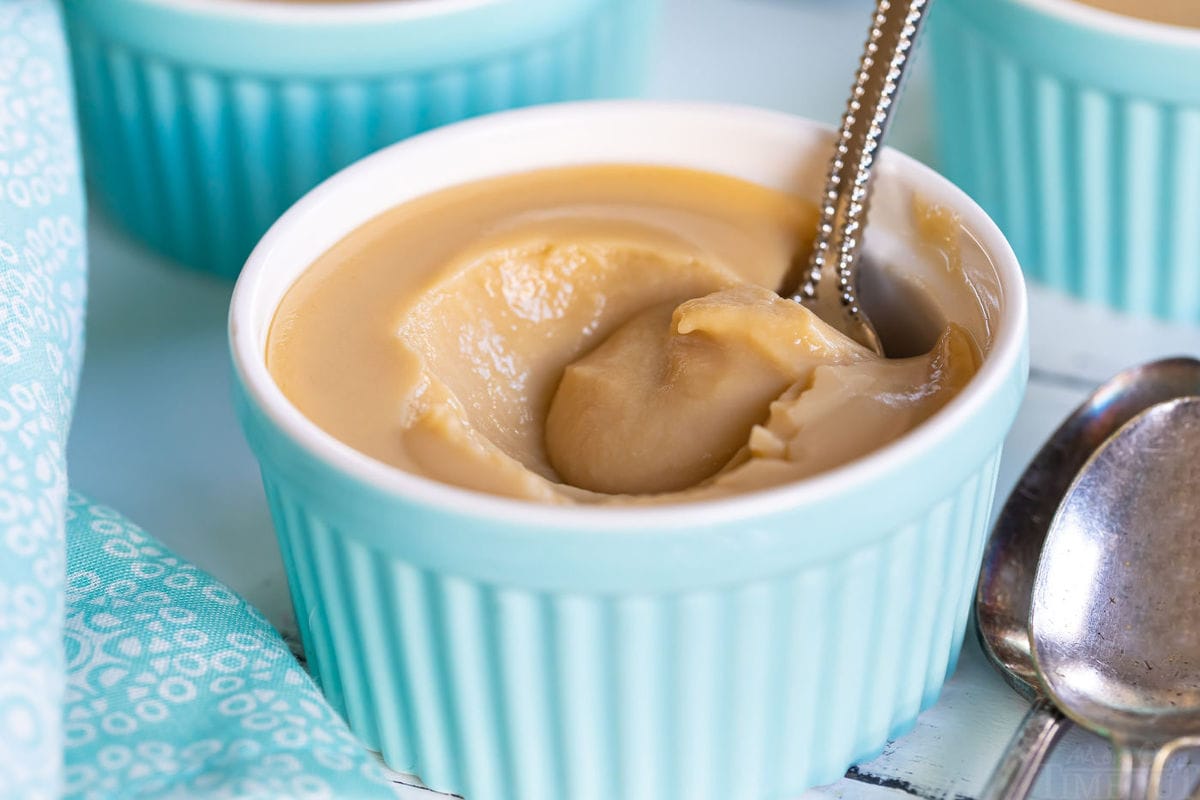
<point>1010,561</point>
<point>829,286</point>
<point>1115,615</point>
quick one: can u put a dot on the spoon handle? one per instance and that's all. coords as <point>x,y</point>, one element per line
<point>1041,729</point>
<point>881,73</point>
<point>1160,764</point>
<point>1137,773</point>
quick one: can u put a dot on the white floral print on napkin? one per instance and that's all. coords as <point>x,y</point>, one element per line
<point>41,321</point>
<point>176,687</point>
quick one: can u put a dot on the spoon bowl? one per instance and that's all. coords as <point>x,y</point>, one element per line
<point>1002,597</point>
<point>1115,615</point>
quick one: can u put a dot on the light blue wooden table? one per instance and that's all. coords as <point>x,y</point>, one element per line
<point>155,435</point>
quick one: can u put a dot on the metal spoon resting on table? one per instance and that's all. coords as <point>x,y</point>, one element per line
<point>1115,614</point>
<point>829,284</point>
<point>1002,597</point>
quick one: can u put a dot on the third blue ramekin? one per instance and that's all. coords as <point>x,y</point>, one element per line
<point>743,648</point>
<point>1078,131</point>
<point>203,120</point>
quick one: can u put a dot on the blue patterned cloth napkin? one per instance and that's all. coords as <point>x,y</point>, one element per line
<point>176,687</point>
<point>41,331</point>
<point>124,671</point>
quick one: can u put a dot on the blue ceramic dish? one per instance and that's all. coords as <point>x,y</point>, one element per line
<point>749,647</point>
<point>1079,132</point>
<point>203,120</point>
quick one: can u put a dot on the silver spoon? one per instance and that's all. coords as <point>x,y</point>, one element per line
<point>1115,614</point>
<point>1002,597</point>
<point>830,285</point>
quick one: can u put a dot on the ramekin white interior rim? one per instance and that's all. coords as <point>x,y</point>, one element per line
<point>249,350</point>
<point>319,13</point>
<point>1111,22</point>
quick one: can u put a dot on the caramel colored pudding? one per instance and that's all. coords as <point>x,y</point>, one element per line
<point>604,334</point>
<point>1170,12</point>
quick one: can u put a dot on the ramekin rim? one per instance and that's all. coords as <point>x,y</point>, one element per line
<point>1114,23</point>
<point>1005,355</point>
<point>321,12</point>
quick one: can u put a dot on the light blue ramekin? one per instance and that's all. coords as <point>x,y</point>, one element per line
<point>1079,132</point>
<point>203,120</point>
<point>744,648</point>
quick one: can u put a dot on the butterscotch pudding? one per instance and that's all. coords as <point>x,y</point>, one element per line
<point>595,334</point>
<point>423,291</point>
<point>1170,12</point>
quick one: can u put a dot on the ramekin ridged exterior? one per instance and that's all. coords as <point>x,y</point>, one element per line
<point>743,648</point>
<point>1079,132</point>
<point>203,120</point>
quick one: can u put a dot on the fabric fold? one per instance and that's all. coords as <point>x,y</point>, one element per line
<point>42,289</point>
<point>177,687</point>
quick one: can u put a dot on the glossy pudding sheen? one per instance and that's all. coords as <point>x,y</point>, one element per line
<point>605,334</point>
<point>1170,12</point>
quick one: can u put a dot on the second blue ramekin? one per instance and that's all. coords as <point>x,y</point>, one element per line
<point>744,648</point>
<point>203,120</point>
<point>1078,131</point>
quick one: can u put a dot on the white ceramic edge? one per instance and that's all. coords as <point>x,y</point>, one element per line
<point>248,344</point>
<point>318,13</point>
<point>1112,22</point>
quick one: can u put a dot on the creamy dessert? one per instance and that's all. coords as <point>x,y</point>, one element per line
<point>1170,12</point>
<point>604,334</point>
